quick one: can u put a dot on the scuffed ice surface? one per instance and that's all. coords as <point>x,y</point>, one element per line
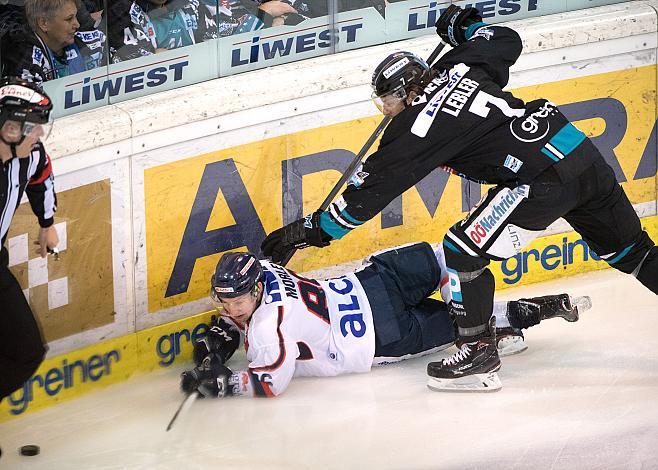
<point>583,396</point>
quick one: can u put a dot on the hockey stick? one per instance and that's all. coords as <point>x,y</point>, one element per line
<point>188,399</point>
<point>349,172</point>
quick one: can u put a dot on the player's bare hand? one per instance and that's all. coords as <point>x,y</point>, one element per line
<point>48,238</point>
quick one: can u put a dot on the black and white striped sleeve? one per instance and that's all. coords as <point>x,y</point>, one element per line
<point>41,189</point>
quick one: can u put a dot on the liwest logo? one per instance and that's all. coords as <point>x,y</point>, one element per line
<point>420,19</point>
<point>299,42</point>
<point>62,377</point>
<point>550,258</point>
<point>123,84</point>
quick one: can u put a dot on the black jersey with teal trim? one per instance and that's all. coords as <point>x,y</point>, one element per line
<point>465,123</point>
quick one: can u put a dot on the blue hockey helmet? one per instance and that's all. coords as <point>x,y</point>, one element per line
<point>236,274</point>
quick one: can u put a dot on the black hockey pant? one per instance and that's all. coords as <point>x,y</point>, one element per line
<point>21,346</point>
<point>398,282</point>
<point>508,219</point>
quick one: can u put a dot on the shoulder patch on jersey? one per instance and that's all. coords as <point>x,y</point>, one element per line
<point>513,163</point>
<point>358,177</point>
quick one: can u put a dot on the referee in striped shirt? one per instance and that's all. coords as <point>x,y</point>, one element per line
<point>25,168</point>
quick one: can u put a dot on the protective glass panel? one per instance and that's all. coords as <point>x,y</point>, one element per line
<point>108,51</point>
<point>285,32</point>
<point>60,48</point>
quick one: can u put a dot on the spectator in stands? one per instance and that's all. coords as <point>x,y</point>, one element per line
<point>349,5</point>
<point>291,12</point>
<point>139,28</point>
<point>50,45</point>
<point>12,18</point>
<point>278,13</point>
<point>90,14</point>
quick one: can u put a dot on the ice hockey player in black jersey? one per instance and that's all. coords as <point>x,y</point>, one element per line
<point>24,168</point>
<point>296,326</point>
<point>457,116</point>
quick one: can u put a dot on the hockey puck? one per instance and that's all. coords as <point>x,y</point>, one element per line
<point>29,450</point>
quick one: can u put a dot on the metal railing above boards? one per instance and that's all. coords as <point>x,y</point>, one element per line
<point>89,53</point>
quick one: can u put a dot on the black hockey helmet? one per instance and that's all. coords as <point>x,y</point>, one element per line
<point>236,274</point>
<point>24,103</point>
<point>399,71</point>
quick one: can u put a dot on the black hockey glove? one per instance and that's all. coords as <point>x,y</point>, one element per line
<point>211,379</point>
<point>223,339</point>
<point>298,234</point>
<point>453,23</point>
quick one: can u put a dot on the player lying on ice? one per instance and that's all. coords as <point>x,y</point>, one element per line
<point>455,115</point>
<point>382,313</point>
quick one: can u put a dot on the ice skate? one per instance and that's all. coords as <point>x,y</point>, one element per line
<point>563,306</point>
<point>471,369</point>
<point>510,341</point>
<point>525,313</point>
<point>529,312</point>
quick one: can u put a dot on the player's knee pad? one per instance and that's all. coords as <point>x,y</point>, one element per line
<point>462,268</point>
<point>471,289</point>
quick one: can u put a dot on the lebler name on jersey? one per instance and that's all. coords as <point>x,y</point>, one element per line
<point>458,98</point>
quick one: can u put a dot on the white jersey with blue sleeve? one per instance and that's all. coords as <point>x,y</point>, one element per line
<point>306,327</point>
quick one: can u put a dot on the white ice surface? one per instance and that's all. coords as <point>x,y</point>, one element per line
<point>583,396</point>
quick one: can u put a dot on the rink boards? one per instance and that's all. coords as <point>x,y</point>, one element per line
<point>144,219</point>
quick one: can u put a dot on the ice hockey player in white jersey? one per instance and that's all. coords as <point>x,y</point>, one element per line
<point>294,326</point>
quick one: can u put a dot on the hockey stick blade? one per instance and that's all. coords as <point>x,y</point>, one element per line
<point>358,159</point>
<point>187,401</point>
